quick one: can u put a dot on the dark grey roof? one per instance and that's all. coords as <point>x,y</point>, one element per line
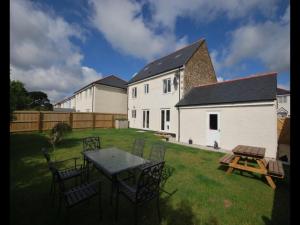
<point>281,91</point>
<point>166,63</point>
<point>111,80</point>
<point>63,110</point>
<point>249,89</point>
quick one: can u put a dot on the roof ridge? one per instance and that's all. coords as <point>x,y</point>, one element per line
<point>242,78</point>
<point>201,39</point>
<point>282,89</point>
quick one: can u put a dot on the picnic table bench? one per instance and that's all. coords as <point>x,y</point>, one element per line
<point>272,168</point>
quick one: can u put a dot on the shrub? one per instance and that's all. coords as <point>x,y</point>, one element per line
<point>57,133</point>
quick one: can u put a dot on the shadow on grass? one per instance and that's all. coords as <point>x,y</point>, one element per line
<point>281,202</point>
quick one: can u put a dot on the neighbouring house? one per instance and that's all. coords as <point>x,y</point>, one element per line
<point>231,113</point>
<point>283,103</point>
<point>155,90</point>
<point>107,95</point>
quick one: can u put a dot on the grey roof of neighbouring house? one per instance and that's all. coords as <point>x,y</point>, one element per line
<point>169,62</point>
<point>281,91</point>
<point>111,80</point>
<point>248,89</point>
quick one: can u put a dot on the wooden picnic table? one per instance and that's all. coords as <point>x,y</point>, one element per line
<point>254,154</point>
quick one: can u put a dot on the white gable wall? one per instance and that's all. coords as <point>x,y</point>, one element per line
<point>240,124</point>
<point>154,101</point>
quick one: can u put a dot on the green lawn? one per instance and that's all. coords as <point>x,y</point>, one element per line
<point>205,194</point>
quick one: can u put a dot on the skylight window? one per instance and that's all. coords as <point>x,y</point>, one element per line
<point>159,63</point>
<point>177,55</point>
<point>146,68</point>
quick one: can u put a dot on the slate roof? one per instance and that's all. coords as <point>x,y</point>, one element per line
<point>249,89</point>
<point>166,63</point>
<point>281,91</point>
<point>111,80</point>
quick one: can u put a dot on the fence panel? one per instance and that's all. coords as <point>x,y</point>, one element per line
<point>283,130</point>
<point>45,120</point>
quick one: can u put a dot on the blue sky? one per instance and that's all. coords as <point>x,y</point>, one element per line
<point>58,46</point>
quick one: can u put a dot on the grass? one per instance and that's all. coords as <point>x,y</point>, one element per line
<point>205,194</point>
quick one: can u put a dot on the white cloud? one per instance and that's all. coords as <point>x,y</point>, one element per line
<point>220,79</point>
<point>268,42</point>
<point>122,24</point>
<point>166,12</point>
<point>41,53</point>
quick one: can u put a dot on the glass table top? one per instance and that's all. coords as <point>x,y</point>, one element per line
<point>113,160</point>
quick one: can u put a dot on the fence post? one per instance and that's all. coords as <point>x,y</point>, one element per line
<point>41,122</point>
<point>71,120</point>
<point>94,120</point>
<point>113,121</point>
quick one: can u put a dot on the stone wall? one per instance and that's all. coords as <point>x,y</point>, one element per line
<point>199,69</point>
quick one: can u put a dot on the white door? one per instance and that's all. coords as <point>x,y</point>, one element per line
<point>213,132</point>
<point>165,119</point>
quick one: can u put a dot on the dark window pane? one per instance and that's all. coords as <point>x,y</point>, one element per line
<point>213,121</point>
<point>165,86</point>
<point>143,119</point>
<point>167,115</point>
<point>147,119</point>
<point>169,85</point>
<point>162,119</point>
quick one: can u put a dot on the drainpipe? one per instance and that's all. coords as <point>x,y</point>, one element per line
<point>178,107</point>
<point>93,98</point>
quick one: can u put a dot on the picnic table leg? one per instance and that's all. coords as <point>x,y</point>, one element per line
<point>235,161</point>
<point>270,181</point>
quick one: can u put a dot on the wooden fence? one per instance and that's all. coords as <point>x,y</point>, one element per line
<point>283,130</point>
<point>45,120</point>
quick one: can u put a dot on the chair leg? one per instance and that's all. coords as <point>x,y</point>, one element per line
<point>158,209</point>
<point>59,207</point>
<point>117,207</point>
<point>54,193</point>
<point>51,187</point>
<point>100,205</point>
<point>135,214</point>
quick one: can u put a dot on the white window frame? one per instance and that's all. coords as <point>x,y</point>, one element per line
<point>134,92</point>
<point>146,88</point>
<point>167,86</point>
<point>133,113</point>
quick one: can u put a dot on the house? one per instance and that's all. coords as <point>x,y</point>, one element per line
<point>107,95</point>
<point>283,103</point>
<point>155,90</point>
<point>231,113</point>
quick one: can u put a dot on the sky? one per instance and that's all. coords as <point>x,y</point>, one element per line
<point>58,46</point>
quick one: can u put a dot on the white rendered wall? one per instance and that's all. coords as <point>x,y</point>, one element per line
<point>254,125</point>
<point>154,101</point>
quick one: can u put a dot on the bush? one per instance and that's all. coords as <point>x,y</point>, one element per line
<point>58,131</point>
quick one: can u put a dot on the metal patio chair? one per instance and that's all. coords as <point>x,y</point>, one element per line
<point>138,147</point>
<point>76,194</point>
<point>144,190</point>
<point>66,173</point>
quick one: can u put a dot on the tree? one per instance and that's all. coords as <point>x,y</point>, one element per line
<point>40,101</point>
<point>19,98</point>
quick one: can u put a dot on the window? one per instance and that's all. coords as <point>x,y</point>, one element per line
<point>134,92</point>
<point>284,99</point>
<point>146,118</point>
<point>213,122</point>
<point>146,88</point>
<point>133,113</point>
<point>86,93</point>
<point>279,99</point>
<point>167,115</point>
<point>167,85</point>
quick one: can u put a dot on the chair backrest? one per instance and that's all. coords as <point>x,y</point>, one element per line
<point>56,175</point>
<point>46,154</point>
<point>91,143</point>
<point>149,182</point>
<point>138,147</point>
<point>157,153</point>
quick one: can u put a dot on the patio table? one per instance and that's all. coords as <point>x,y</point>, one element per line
<point>112,161</point>
<point>250,153</point>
